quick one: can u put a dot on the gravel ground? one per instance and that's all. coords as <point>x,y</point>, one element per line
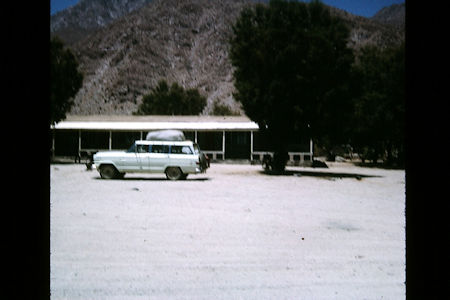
<point>232,233</point>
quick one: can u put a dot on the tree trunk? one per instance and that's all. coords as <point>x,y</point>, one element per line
<point>279,161</point>
<point>390,156</point>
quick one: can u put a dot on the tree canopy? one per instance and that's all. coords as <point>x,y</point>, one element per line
<point>171,100</point>
<point>292,70</point>
<point>379,118</point>
<point>65,80</point>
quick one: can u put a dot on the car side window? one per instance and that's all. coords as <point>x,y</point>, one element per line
<point>186,150</point>
<point>196,148</point>
<point>142,148</point>
<point>160,149</point>
<point>132,148</point>
<point>181,150</point>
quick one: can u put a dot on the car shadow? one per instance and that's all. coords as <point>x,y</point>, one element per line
<point>320,174</point>
<point>152,179</point>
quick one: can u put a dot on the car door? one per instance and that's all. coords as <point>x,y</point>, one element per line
<point>183,156</point>
<point>129,161</point>
<point>143,157</point>
<point>158,158</point>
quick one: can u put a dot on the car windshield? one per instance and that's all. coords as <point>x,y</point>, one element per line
<point>132,148</point>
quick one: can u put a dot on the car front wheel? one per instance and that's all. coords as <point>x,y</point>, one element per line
<point>174,173</point>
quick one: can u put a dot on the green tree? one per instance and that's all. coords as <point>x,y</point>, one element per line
<point>65,80</point>
<point>380,107</point>
<point>291,73</point>
<point>171,100</point>
<point>220,109</point>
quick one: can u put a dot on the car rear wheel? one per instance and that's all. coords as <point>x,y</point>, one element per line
<point>108,172</point>
<point>174,173</point>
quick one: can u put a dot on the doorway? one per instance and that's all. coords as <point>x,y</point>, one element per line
<point>237,145</point>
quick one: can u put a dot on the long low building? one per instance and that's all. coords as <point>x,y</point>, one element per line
<point>221,137</point>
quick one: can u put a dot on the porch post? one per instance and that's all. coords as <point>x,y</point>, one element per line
<point>79,142</point>
<point>53,143</point>
<point>251,145</point>
<point>110,139</point>
<point>223,145</point>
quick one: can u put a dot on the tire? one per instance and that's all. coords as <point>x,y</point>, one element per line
<point>174,173</point>
<point>108,172</point>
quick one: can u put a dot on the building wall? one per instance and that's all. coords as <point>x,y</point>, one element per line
<point>218,144</point>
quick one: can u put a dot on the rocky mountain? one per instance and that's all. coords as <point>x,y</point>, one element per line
<point>392,15</point>
<point>367,31</point>
<point>78,21</point>
<point>180,41</point>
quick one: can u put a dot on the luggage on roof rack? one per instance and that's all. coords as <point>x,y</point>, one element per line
<point>165,135</point>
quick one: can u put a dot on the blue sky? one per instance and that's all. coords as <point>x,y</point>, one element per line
<point>57,5</point>
<point>366,8</point>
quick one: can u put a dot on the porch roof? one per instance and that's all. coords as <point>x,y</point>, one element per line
<point>146,123</point>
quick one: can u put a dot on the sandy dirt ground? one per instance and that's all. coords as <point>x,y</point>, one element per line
<point>232,233</point>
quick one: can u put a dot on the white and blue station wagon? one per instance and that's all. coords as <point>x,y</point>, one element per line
<point>177,159</point>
